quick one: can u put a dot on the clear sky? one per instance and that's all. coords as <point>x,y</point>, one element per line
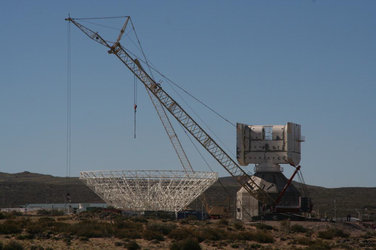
<point>256,62</point>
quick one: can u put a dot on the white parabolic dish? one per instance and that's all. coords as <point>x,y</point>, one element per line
<point>148,190</point>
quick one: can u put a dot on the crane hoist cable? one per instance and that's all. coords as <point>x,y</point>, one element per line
<point>98,18</point>
<point>67,197</point>
<point>134,106</point>
<point>68,102</point>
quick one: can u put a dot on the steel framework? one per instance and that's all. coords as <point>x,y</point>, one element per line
<point>148,190</point>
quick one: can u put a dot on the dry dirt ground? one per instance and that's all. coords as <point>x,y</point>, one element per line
<point>109,231</point>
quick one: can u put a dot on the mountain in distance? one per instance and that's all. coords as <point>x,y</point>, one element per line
<point>27,188</point>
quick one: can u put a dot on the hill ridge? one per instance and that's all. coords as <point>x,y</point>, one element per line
<point>25,187</point>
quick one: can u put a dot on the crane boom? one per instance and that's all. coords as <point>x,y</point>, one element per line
<point>181,116</point>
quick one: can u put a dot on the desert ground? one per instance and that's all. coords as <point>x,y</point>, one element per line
<point>108,229</point>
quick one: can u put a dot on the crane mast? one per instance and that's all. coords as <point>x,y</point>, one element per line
<point>180,115</point>
<point>186,164</point>
<point>170,131</point>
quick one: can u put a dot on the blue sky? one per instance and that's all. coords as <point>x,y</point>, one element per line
<point>256,62</point>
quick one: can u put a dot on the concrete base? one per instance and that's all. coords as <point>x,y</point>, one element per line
<point>247,206</point>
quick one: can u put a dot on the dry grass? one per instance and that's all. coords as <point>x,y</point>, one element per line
<point>95,231</point>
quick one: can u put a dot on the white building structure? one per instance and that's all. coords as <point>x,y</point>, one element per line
<point>268,146</point>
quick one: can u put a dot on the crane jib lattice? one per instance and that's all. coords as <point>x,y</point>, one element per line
<point>181,116</point>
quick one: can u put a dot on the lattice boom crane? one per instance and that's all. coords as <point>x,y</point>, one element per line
<point>180,115</point>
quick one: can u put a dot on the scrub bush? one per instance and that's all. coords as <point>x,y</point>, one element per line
<point>187,244</point>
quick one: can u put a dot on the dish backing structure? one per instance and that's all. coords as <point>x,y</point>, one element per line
<point>148,190</point>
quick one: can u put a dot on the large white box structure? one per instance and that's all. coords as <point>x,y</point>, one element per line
<point>268,146</point>
<point>272,144</point>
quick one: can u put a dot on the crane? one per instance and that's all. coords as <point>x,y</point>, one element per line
<point>197,132</point>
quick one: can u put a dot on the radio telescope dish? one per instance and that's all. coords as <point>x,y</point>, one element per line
<point>148,190</point>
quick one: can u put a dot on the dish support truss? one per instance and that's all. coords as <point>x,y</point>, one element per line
<point>148,190</point>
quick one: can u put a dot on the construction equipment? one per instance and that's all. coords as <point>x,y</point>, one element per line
<point>180,115</point>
